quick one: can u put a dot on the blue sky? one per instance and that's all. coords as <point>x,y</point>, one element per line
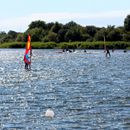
<point>18,14</point>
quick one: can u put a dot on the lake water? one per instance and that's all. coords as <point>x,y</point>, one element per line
<point>86,91</point>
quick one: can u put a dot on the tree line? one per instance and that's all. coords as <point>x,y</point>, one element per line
<point>41,31</point>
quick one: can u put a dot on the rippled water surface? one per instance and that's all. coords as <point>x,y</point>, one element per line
<point>86,91</point>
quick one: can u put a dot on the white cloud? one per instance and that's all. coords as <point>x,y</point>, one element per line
<point>21,23</point>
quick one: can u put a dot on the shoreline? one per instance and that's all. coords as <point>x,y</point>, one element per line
<point>69,45</point>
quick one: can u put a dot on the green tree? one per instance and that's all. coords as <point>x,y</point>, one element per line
<point>101,35</point>
<point>37,24</point>
<point>127,23</point>
<point>19,37</point>
<point>56,27</point>
<point>114,35</point>
<point>73,32</point>
<point>61,35</point>
<point>52,36</point>
<point>70,25</point>
<point>36,34</point>
<point>73,35</point>
<point>91,30</point>
<point>49,26</point>
<point>126,36</point>
<point>3,37</point>
<point>12,34</point>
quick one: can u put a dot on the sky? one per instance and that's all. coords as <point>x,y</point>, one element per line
<point>16,15</point>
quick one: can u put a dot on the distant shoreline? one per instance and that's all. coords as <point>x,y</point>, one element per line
<point>69,45</point>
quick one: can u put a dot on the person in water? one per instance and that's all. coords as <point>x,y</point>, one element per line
<point>107,52</point>
<point>27,60</point>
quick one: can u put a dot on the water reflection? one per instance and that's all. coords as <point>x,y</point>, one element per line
<point>85,90</point>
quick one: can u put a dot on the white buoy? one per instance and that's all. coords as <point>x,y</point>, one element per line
<point>49,113</point>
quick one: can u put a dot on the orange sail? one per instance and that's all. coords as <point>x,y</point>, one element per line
<point>28,51</point>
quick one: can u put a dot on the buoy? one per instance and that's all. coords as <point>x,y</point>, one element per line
<point>49,113</point>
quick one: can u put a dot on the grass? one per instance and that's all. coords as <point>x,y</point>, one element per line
<point>71,45</point>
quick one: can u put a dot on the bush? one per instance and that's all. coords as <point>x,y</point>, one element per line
<point>70,45</point>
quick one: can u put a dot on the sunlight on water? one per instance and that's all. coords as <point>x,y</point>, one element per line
<point>84,90</point>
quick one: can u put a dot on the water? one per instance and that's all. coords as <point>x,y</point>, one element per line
<point>86,91</point>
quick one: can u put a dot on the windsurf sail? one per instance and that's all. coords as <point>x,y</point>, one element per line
<point>28,51</point>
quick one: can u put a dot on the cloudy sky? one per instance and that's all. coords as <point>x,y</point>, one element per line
<point>18,14</point>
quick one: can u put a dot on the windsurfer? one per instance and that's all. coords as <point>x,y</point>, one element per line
<point>27,62</point>
<point>28,54</point>
<point>107,52</point>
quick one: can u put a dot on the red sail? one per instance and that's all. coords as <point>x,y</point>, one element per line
<point>28,51</point>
